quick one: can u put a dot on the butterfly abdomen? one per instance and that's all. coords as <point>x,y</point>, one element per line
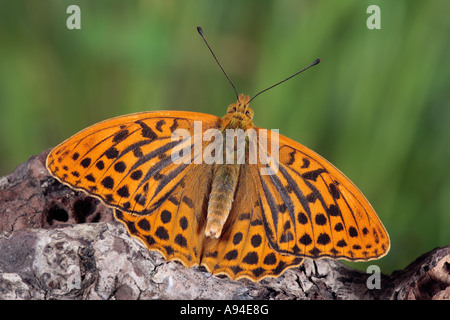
<point>221,198</point>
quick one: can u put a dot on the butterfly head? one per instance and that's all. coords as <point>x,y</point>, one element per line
<point>239,114</point>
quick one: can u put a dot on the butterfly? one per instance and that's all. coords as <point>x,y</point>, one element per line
<point>199,199</point>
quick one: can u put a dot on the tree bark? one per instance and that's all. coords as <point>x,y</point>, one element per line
<point>57,243</point>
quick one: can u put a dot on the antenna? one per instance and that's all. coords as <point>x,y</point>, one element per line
<point>312,64</point>
<point>200,31</point>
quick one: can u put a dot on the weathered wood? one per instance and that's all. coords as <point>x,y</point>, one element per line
<point>56,243</point>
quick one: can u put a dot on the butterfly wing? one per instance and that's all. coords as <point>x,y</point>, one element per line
<point>127,163</point>
<point>310,209</point>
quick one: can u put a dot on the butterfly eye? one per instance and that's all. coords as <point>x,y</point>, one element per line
<point>232,109</point>
<point>249,114</point>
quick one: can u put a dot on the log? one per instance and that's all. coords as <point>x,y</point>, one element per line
<point>57,243</point>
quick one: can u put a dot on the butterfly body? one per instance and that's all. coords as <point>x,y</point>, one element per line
<point>239,116</point>
<point>221,198</point>
<point>228,216</point>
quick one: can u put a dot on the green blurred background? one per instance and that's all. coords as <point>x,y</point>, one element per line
<point>377,106</point>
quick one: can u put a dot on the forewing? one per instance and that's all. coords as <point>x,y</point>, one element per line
<point>127,161</point>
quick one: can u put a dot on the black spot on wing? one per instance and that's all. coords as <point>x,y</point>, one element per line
<point>174,126</point>
<point>291,158</point>
<point>146,131</point>
<point>85,162</point>
<point>334,191</point>
<point>100,165</point>
<point>108,182</point>
<point>144,224</point>
<point>111,153</point>
<point>123,192</point>
<point>305,164</point>
<point>120,166</point>
<point>312,175</point>
<point>159,125</point>
<point>136,175</point>
<point>120,136</point>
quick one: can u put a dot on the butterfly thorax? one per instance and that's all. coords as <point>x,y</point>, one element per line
<point>239,116</point>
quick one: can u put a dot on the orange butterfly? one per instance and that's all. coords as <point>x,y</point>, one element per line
<point>228,216</point>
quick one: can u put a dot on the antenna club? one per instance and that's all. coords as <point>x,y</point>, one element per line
<point>199,29</point>
<point>316,62</point>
